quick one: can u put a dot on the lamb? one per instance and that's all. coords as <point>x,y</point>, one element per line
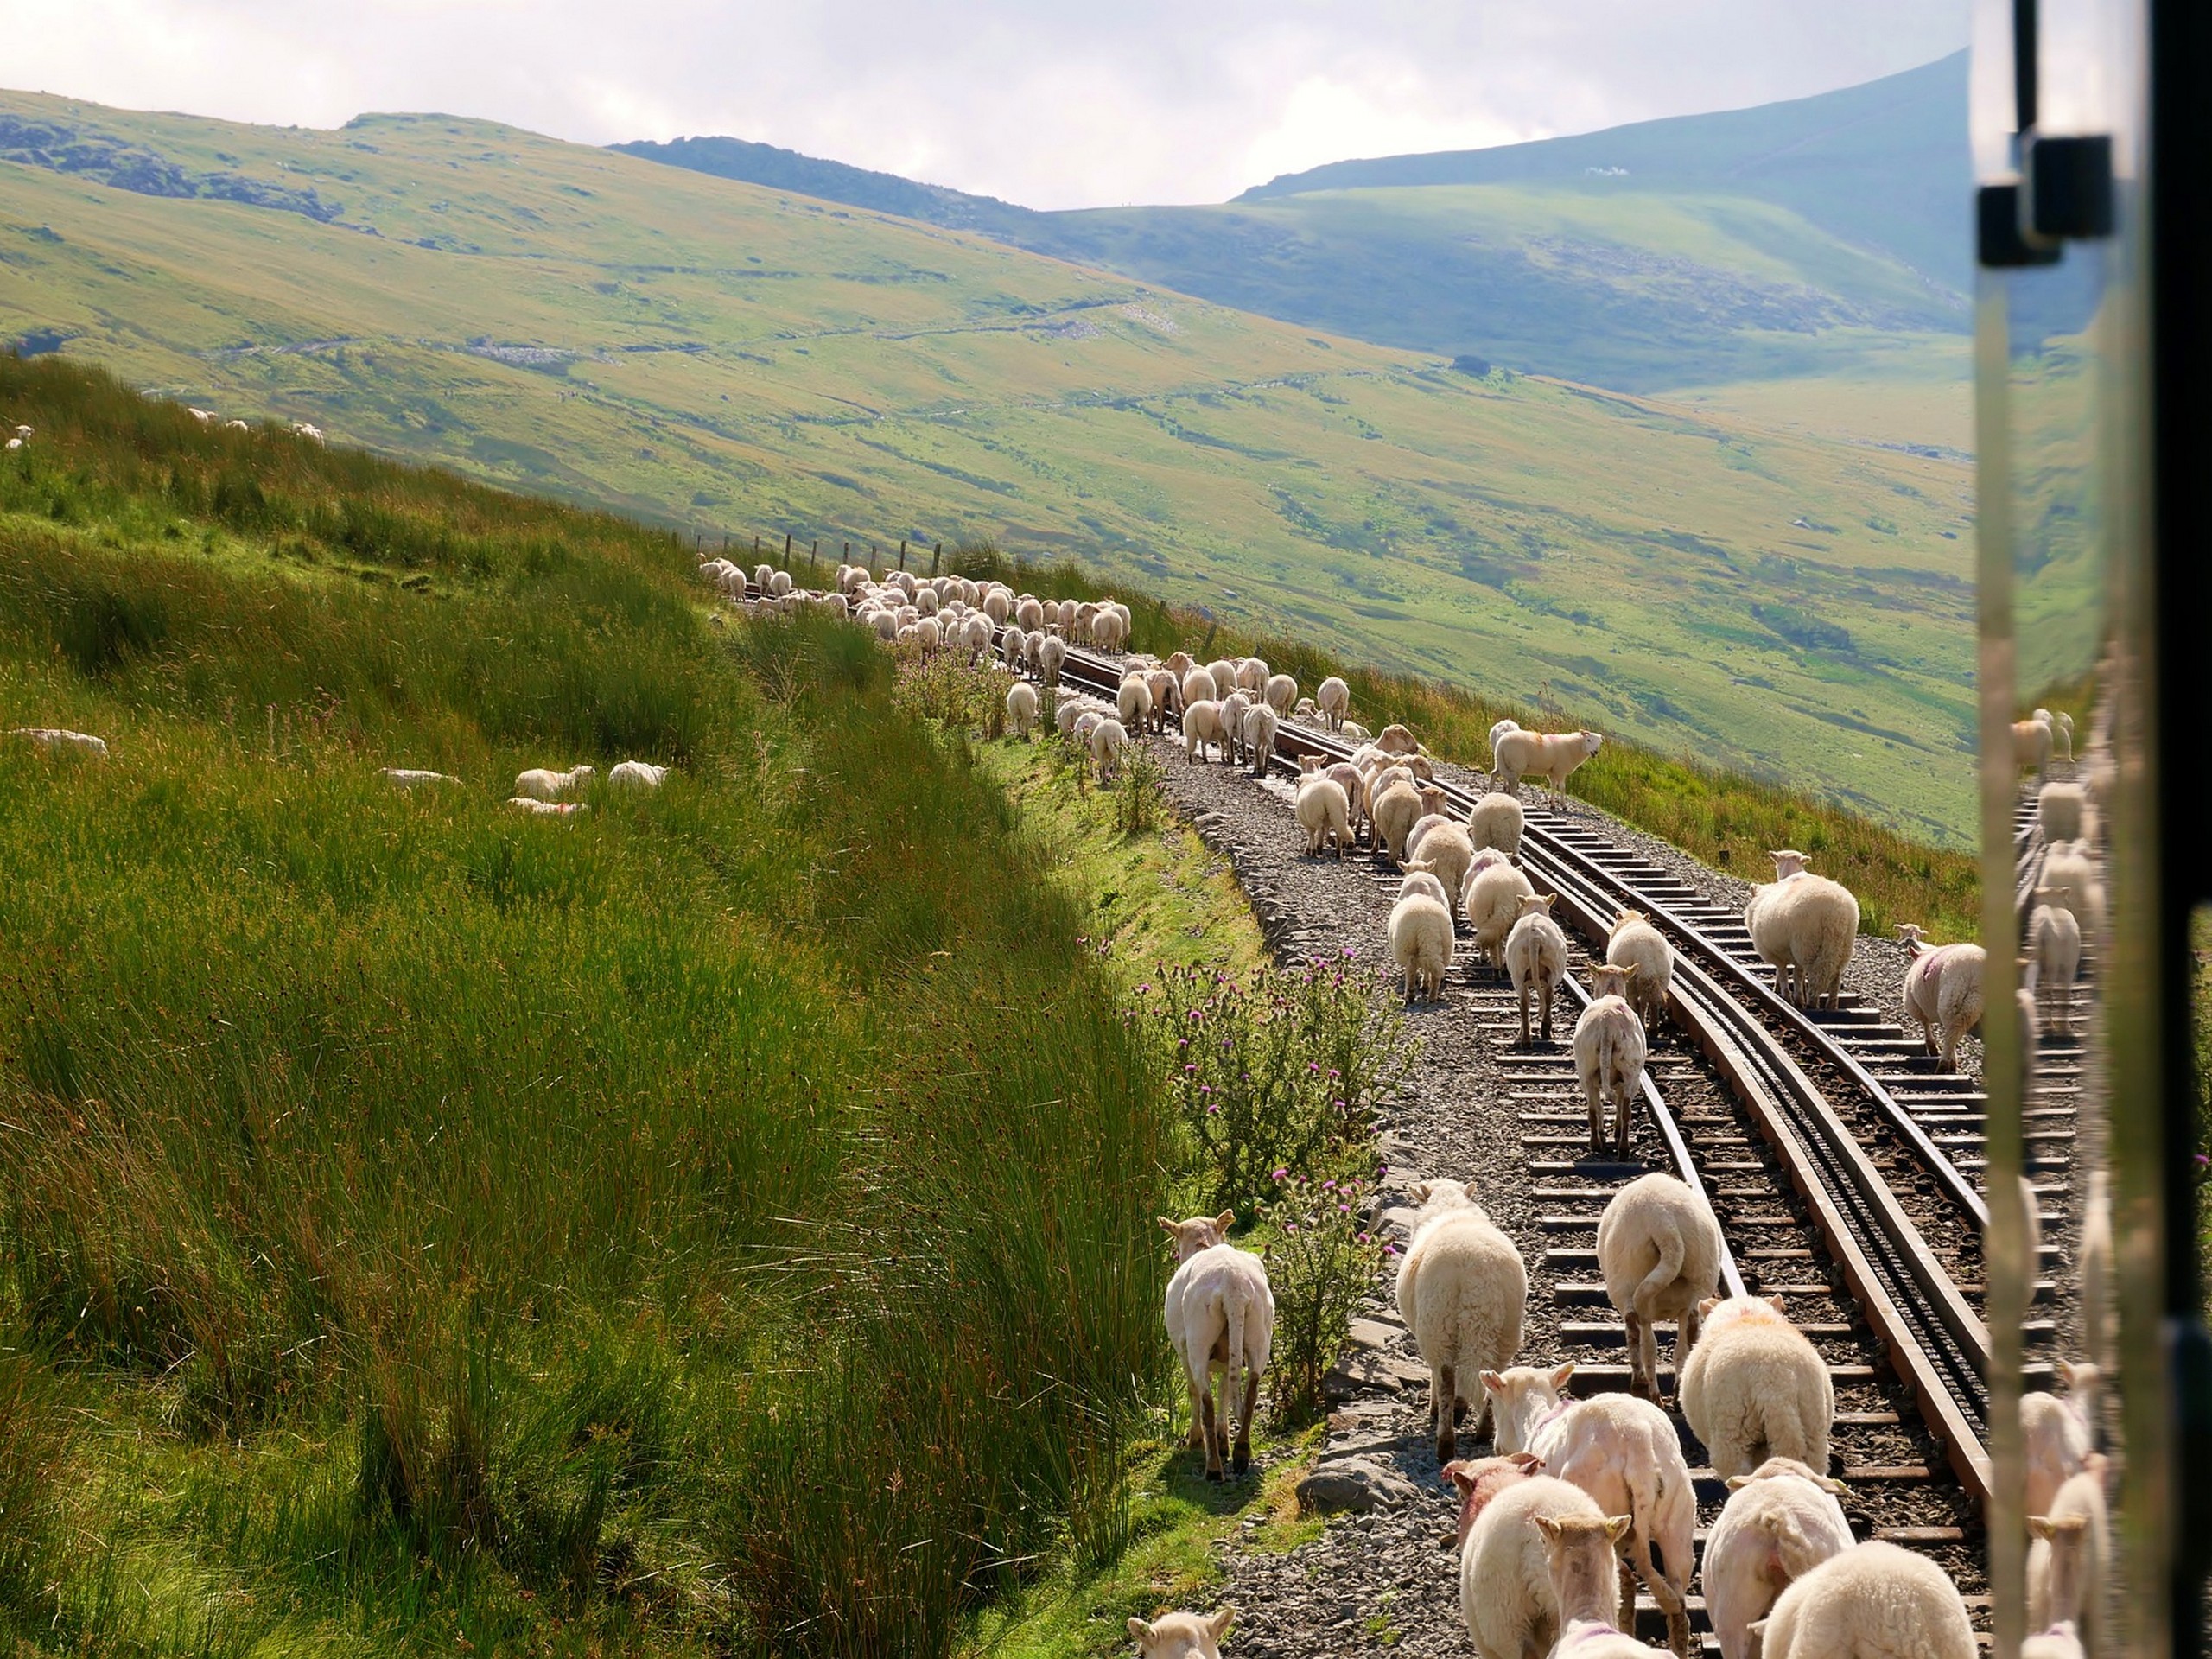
<point>929,633</point>
<point>1252,676</point>
<point>1420,945</point>
<point>1521,1400</point>
<point>1051,657</point>
<point>1065,712</point>
<point>1659,1251</point>
<point>1109,629</point>
<point>1281,692</point>
<point>2066,1561</point>
<point>1029,614</point>
<point>56,740</point>
<point>2054,952</point>
<point>1493,905</point>
<point>1579,1553</point>
<point>1462,1288</point>
<point>1198,687</point>
<point>1943,992</point>
<point>1202,726</point>
<point>1085,723</point>
<point>2057,1439</point>
<point>1780,1523</point>
<point>1753,1388</point>
<point>637,774</point>
<point>1635,943</point>
<point>1182,1636</point>
<point>1396,810</point>
<point>1610,1051</point>
<point>1626,1454</point>
<point>1260,738</point>
<point>1179,662</point>
<point>1353,782</point>
<point>1011,646</point>
<point>1234,707</point>
<point>1507,1600</point>
<point>1220,1315</point>
<point>1875,1600</point>
<point>537,809</point>
<point>1108,739</point>
<point>413,777</point>
<point>998,605</point>
<point>1496,820</point>
<point>2032,742</point>
<point>1446,854</point>
<point>1222,673</point>
<point>1536,960</point>
<point>1553,758</point>
<point>2069,865</point>
<point>1422,882</point>
<point>2058,811</point>
<point>540,784</point>
<point>1397,739</point>
<point>1167,696</point>
<point>1022,707</point>
<point>1133,702</point>
<point>780,584</point>
<point>1333,698</point>
<point>1496,732</point>
<point>1805,925</point>
<point>1480,1480</point>
<point>1323,813</point>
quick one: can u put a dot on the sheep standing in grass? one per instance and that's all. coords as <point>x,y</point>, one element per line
<point>1182,1636</point>
<point>1552,757</point>
<point>1804,925</point>
<point>1875,1599</point>
<point>56,740</point>
<point>1496,820</point>
<point>1659,1253</point>
<point>929,634</point>
<point>1780,1523</point>
<point>540,784</point>
<point>1754,1388</point>
<point>1221,1317</point>
<point>1259,737</point>
<point>2054,953</point>
<point>1323,813</point>
<point>1507,1600</point>
<point>1580,1554</point>
<point>1942,992</point>
<point>1133,702</point>
<point>1108,740</point>
<point>1626,1453</point>
<point>1493,905</point>
<point>1021,709</point>
<point>2066,1561</point>
<point>1202,726</point>
<point>532,807</point>
<point>1635,943</point>
<point>1333,698</point>
<point>637,774</point>
<point>1421,946</point>
<point>1462,1288</point>
<point>1536,960</point>
<point>1610,1051</point>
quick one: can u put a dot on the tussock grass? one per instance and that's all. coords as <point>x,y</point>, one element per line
<point>719,1220</point>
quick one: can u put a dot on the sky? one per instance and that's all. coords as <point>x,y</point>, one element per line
<point>1048,103</point>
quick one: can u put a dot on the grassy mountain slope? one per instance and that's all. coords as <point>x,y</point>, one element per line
<point>428,1230</point>
<point>1794,238</point>
<point>717,355</point>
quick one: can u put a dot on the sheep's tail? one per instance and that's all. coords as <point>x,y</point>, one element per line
<point>1672,1250</point>
<point>1794,1552</point>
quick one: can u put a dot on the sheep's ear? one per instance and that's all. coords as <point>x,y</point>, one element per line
<point>1827,1484</point>
<point>1629,971</point>
<point>1470,1188</point>
<point>1737,1483</point>
<point>1550,898</point>
<point>1492,1383</point>
<point>1139,1629</point>
<point>1422,1190</point>
<point>1705,1307</point>
<point>1224,1221</point>
<point>2039,1527</point>
<point>1560,1376</point>
<point>1168,1227</point>
<point>1775,1302</point>
<point>1458,1474</point>
<point>1525,1459</point>
<point>2065,1372</point>
<point>1618,1527</point>
<point>1755,1640</point>
<point>1548,1525</point>
<point>1220,1622</point>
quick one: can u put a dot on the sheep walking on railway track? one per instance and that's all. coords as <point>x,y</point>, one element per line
<point>1496,820</point>
<point>1803,926</point>
<point>1781,1522</point>
<point>1507,1600</point>
<point>1634,943</point>
<point>1753,1388</point>
<point>1942,992</point>
<point>1421,941</point>
<point>1323,813</point>
<point>1535,961</point>
<point>2066,1560</point>
<point>1493,905</point>
<point>1462,1289</point>
<point>1874,1598</point>
<point>1610,1051</point>
<point>2054,953</point>
<point>1579,1553</point>
<point>1659,1254</point>
<point>1333,698</point>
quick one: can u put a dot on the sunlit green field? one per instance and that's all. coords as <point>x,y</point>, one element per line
<point>1789,600</point>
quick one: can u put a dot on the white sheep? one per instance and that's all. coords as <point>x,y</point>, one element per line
<point>202,416</point>
<point>1941,991</point>
<point>1492,903</point>
<point>1609,1050</point>
<point>2055,1437</point>
<point>1496,820</point>
<point>1420,945</point>
<point>1198,687</point>
<point>2094,1265</point>
<point>1659,1254</point>
<point>1333,698</point>
<point>2054,953</point>
<point>1627,1454</point>
<point>1552,757</point>
<point>1753,1388</point>
<point>413,777</point>
<point>1445,852</point>
<point>1182,1636</point>
<point>1507,1600</point>
<point>1462,1289</point>
<point>1202,726</point>
<point>1260,737</point>
<point>308,430</point>
<point>1012,645</point>
<point>1109,629</point>
<point>1874,1600</point>
<point>1355,731</point>
<point>1536,960</point>
<point>1394,738</point>
<point>1030,613</point>
<point>1085,723</point>
<point>540,784</point>
<point>537,809</point>
<point>1021,706</point>
<point>1051,657</point>
<point>1281,692</point>
<point>1323,813</point>
<point>1521,1398</point>
<point>1581,1555</point>
<point>780,584</point>
<point>1234,707</point>
<point>1108,738</point>
<point>1422,882</point>
<point>1223,673</point>
<point>1167,696</point>
<point>1133,700</point>
<point>637,774</point>
<point>236,426</point>
<point>1498,731</point>
<point>1781,1522</point>
<point>2062,734</point>
<point>1252,676</point>
<point>2032,743</point>
<point>1396,809</point>
<point>1634,943</point>
<point>1220,1314</point>
<point>56,740</point>
<point>2058,811</point>
<point>2066,1560</point>
<point>1804,925</point>
<point>2070,865</point>
<point>929,633</point>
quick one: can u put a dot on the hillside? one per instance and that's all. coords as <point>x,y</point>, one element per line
<point>1808,237</point>
<point>735,359</point>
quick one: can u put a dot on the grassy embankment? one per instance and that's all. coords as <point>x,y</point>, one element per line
<point>1726,819</point>
<point>426,1230</point>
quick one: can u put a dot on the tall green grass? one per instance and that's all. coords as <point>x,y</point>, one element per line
<point>718,1219</point>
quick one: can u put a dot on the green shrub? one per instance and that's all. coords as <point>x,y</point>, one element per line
<point>1321,1262</point>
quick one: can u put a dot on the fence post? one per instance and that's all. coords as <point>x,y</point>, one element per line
<point>787,547</point>
<point>902,555</point>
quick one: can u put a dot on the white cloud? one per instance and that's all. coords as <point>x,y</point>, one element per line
<point>1047,102</point>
